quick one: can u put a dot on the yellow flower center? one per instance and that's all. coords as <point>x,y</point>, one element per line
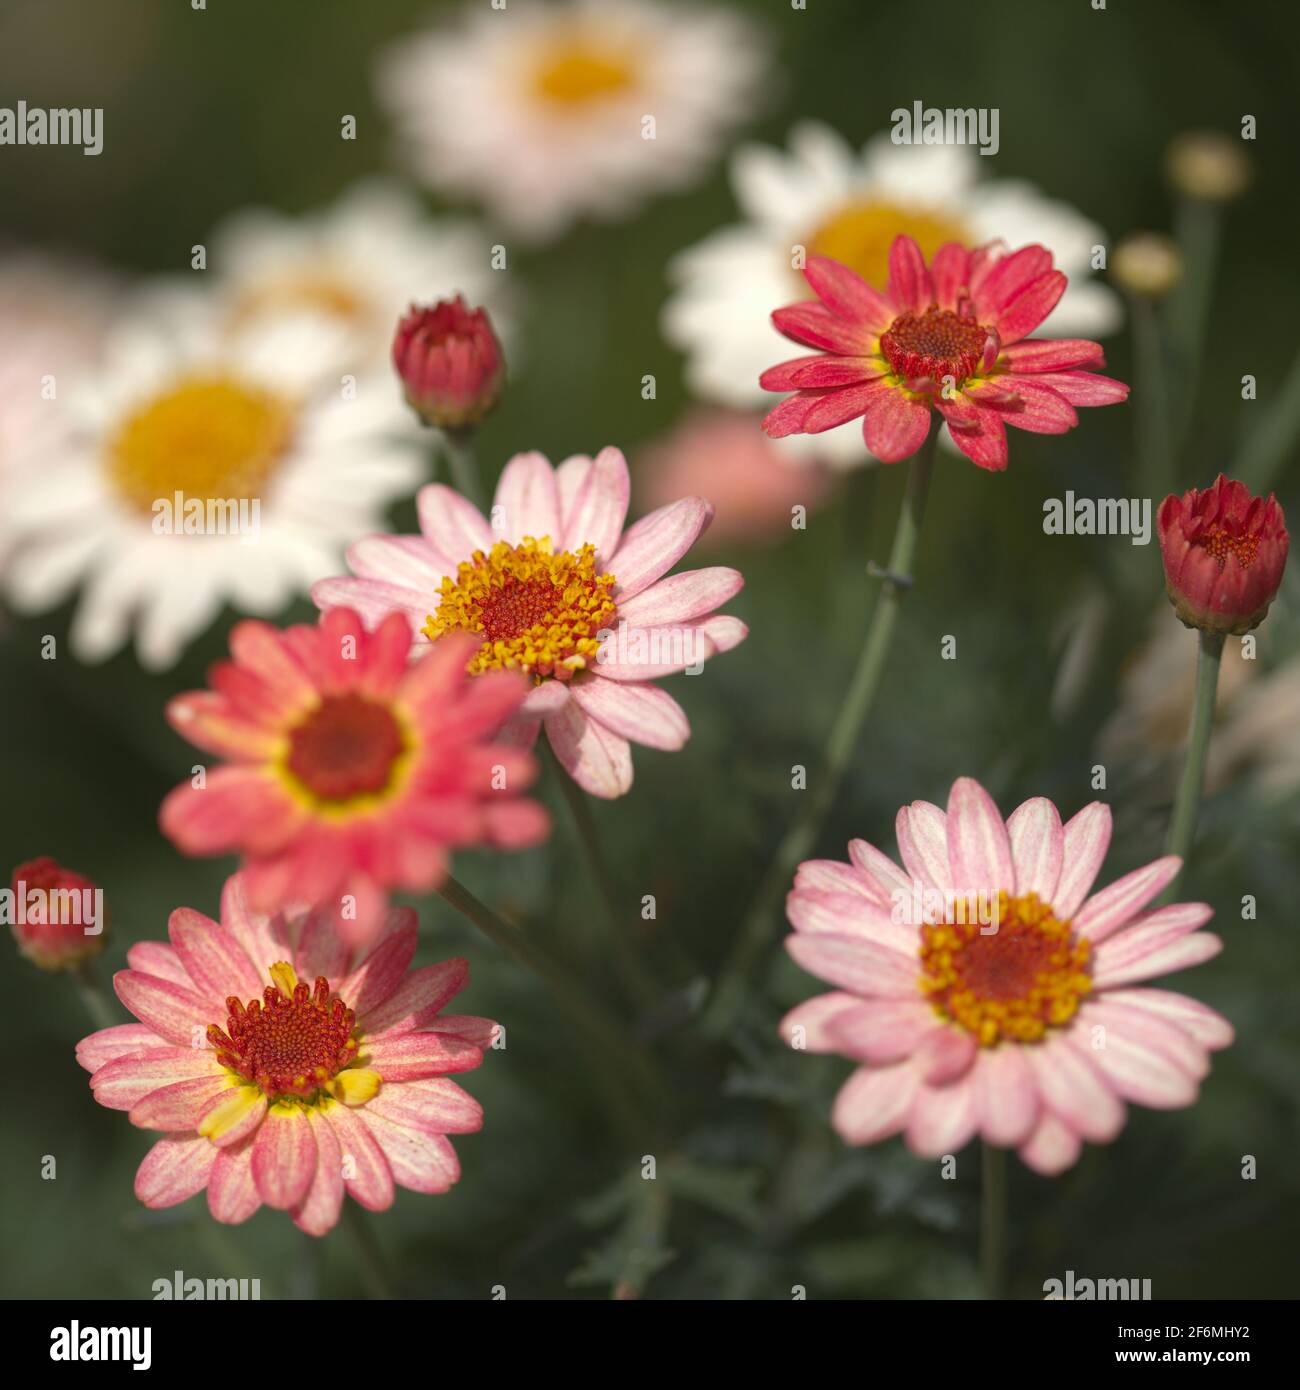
<point>538,611</point>
<point>581,71</point>
<point>209,437</point>
<point>1014,982</point>
<point>860,233</point>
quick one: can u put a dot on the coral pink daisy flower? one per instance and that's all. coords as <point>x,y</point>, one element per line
<point>281,1070</point>
<point>553,586</point>
<point>351,771</point>
<point>1029,1024</point>
<point>951,336</point>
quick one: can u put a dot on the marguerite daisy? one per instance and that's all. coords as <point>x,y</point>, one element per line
<point>284,1071</point>
<point>553,112</point>
<point>822,198</point>
<point>201,468</point>
<point>985,989</point>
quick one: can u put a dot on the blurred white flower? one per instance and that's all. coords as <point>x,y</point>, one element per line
<point>548,113</point>
<point>293,472</point>
<point>827,199</point>
<point>358,264</point>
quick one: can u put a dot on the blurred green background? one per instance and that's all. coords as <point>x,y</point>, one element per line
<point>208,112</point>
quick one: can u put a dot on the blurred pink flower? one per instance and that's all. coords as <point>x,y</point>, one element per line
<point>724,454</point>
<point>290,1092</point>
<point>1031,1034</point>
<point>351,771</point>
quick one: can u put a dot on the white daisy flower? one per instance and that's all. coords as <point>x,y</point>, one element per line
<point>825,198</point>
<point>549,113</point>
<point>359,263</point>
<point>275,476</point>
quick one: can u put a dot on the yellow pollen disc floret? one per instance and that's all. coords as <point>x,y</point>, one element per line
<point>208,437</point>
<point>1013,983</point>
<point>574,73</point>
<point>539,612</point>
<point>859,235</point>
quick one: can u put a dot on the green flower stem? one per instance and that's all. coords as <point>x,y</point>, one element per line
<point>1198,225</point>
<point>802,834</point>
<point>632,971</point>
<point>1272,441</point>
<point>1187,803</point>
<point>1154,458</point>
<point>993,1220</point>
<point>459,448</point>
<point>94,997</point>
<point>613,1056</point>
<point>370,1254</point>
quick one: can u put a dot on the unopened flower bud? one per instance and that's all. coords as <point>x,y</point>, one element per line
<point>1208,165</point>
<point>450,363</point>
<point>57,915</point>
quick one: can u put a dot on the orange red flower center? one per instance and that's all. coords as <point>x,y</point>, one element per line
<point>538,611</point>
<point>1221,543</point>
<point>291,1042</point>
<point>346,748</point>
<point>935,345</point>
<point>1010,979</point>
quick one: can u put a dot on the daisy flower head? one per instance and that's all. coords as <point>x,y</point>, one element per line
<point>349,771</point>
<point>549,113</point>
<point>199,468</point>
<point>283,1070</point>
<point>354,266</point>
<point>553,586</point>
<point>951,336</point>
<point>985,989</point>
<point>821,197</point>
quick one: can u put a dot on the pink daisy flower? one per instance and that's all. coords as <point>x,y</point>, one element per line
<point>281,1070</point>
<point>554,587</point>
<point>351,772</point>
<point>1030,1024</point>
<point>951,336</point>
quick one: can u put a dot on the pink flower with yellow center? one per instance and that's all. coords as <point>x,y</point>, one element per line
<point>554,587</point>
<point>351,771</point>
<point>281,1070</point>
<point>985,989</point>
<point>951,336</point>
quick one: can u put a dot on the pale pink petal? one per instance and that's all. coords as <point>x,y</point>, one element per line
<point>641,713</point>
<point>979,852</point>
<point>863,967</point>
<point>834,876</point>
<point>527,502</point>
<point>417,999</point>
<point>1181,954</point>
<point>175,1168</point>
<point>1037,846</point>
<point>435,1105</point>
<point>284,1157</point>
<point>1052,1147</point>
<point>247,1110</point>
<point>178,1106</point>
<point>598,759</point>
<point>379,974</point>
<point>480,1032</point>
<point>593,502</point>
<point>881,1030</point>
<point>1204,1024</point>
<point>263,938</point>
<point>418,1160</point>
<point>232,1192</point>
<point>1140,1026</point>
<point>175,1013</point>
<point>1005,1096</point>
<point>1087,837</point>
<point>318,1213</point>
<point>680,597</point>
<point>942,1119</point>
<point>373,600</point>
<point>888,878</point>
<point>122,1040</point>
<point>923,844</point>
<point>1072,1086</point>
<point>320,949</point>
<point>652,546</point>
<point>158,958</point>
<point>945,1054</point>
<point>873,1103</point>
<point>1143,1073</point>
<point>848,914</point>
<point>124,1081</point>
<point>409,1056</point>
<point>1147,933</point>
<point>806,1028</point>
<point>455,527</point>
<point>409,562</point>
<point>544,699</point>
<point>1108,910</point>
<point>366,1173</point>
<point>213,958</point>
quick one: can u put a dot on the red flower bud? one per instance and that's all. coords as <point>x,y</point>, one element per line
<point>450,362</point>
<point>1224,553</point>
<point>57,915</point>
